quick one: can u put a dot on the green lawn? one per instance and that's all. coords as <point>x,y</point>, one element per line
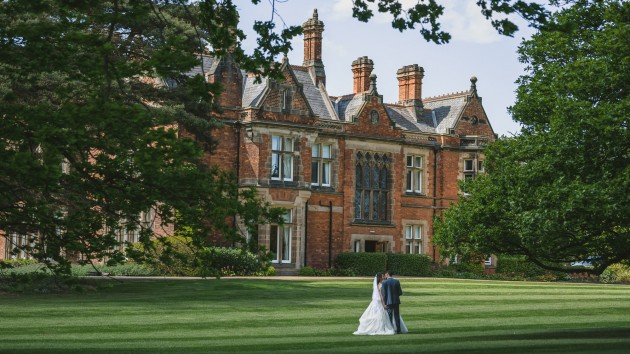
<point>280,315</point>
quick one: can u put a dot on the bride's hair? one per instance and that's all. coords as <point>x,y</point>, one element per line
<point>379,277</point>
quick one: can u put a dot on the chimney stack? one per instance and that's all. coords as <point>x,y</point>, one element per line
<point>313,29</point>
<point>361,70</point>
<point>410,84</point>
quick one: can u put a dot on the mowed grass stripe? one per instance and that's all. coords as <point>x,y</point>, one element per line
<point>272,315</point>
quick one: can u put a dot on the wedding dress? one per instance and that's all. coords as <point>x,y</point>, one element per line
<point>375,320</point>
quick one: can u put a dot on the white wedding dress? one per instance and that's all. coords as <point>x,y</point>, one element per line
<point>375,320</point>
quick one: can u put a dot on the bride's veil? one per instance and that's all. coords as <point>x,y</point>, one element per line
<point>375,293</point>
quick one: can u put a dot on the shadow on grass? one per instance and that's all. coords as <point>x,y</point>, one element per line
<point>595,333</point>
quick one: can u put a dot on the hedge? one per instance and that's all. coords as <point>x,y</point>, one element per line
<point>232,261</point>
<point>180,258</point>
<point>518,266</point>
<point>361,263</point>
<point>409,264</point>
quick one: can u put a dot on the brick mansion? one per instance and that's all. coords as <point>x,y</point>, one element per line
<point>354,173</point>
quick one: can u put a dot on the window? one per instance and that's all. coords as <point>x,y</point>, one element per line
<point>126,235</point>
<point>372,187</point>
<point>413,239</point>
<point>65,166</point>
<point>471,169</point>
<point>357,246</point>
<point>320,174</point>
<point>414,174</point>
<point>281,158</point>
<point>286,100</point>
<point>280,240</point>
<point>17,245</point>
<point>488,261</point>
<point>374,117</point>
<point>469,165</point>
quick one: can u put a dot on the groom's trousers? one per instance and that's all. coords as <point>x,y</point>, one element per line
<point>393,311</point>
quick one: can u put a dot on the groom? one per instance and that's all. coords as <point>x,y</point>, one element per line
<point>391,298</point>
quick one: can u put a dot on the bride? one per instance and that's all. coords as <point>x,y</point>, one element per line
<point>375,320</point>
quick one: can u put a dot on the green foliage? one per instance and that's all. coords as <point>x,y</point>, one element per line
<point>307,272</point>
<point>361,263</point>
<point>128,269</point>
<point>518,266</point>
<point>557,193</point>
<point>426,14</point>
<point>469,267</point>
<point>462,270</point>
<point>330,272</point>
<point>43,283</point>
<point>90,133</point>
<point>616,273</point>
<point>179,255</point>
<point>24,268</point>
<point>167,255</point>
<point>409,264</point>
<point>232,261</point>
<point>18,262</point>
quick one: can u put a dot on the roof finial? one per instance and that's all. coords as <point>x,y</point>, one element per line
<point>473,85</point>
<point>315,14</point>
<point>373,83</point>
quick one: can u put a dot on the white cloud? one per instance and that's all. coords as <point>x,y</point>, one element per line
<point>462,19</point>
<point>465,23</point>
<point>342,10</point>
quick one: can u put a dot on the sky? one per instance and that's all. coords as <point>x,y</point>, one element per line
<point>475,49</point>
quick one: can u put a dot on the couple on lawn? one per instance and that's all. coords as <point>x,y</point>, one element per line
<point>382,316</point>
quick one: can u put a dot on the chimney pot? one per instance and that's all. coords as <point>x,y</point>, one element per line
<point>410,84</point>
<point>313,29</point>
<point>362,69</point>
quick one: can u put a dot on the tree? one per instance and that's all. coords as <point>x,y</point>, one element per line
<point>558,192</point>
<point>426,14</point>
<point>94,95</point>
<point>89,132</point>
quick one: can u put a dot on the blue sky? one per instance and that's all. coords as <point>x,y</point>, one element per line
<point>475,50</point>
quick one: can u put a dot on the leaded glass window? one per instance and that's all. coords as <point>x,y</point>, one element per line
<point>372,187</point>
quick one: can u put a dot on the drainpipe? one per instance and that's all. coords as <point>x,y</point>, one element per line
<point>330,222</point>
<point>305,231</point>
<point>435,154</point>
<point>237,129</point>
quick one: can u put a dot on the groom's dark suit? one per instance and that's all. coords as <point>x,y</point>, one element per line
<point>391,296</point>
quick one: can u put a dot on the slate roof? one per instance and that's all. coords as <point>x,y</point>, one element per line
<point>447,110</point>
<point>313,94</point>
<point>439,115</point>
<point>253,92</point>
<point>405,118</point>
<point>209,66</point>
<point>347,106</point>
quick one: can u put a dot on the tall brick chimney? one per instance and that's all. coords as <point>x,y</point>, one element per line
<point>410,83</point>
<point>313,29</point>
<point>361,70</point>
